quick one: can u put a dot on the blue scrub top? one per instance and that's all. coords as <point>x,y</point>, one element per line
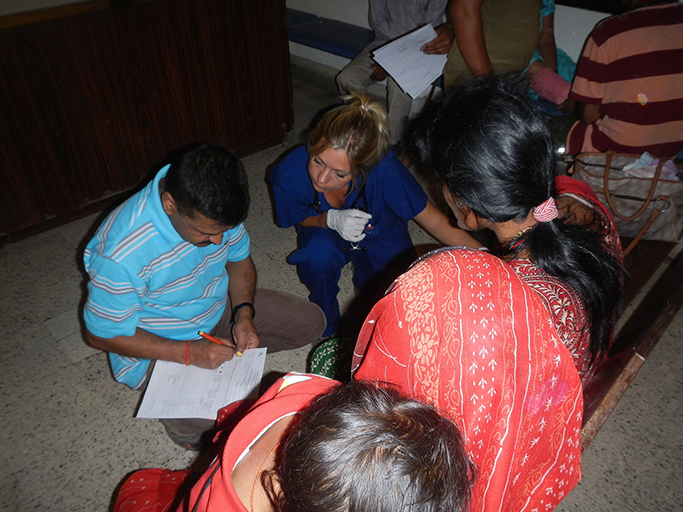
<point>393,195</point>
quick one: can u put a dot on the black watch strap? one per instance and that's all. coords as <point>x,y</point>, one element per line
<point>240,306</point>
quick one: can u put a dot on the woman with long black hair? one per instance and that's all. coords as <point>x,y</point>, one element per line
<point>490,146</point>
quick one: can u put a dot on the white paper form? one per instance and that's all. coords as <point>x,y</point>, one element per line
<point>405,62</point>
<point>179,391</point>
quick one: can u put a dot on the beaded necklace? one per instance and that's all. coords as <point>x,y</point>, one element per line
<point>509,248</point>
<point>258,475</point>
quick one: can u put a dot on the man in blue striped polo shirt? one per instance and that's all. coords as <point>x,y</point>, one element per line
<point>173,260</point>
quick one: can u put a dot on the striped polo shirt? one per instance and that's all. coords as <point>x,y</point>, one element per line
<point>143,274</point>
<point>632,66</point>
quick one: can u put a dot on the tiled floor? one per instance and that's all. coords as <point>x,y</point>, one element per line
<point>69,435</point>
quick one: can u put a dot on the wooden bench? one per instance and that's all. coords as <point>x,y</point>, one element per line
<point>640,332</point>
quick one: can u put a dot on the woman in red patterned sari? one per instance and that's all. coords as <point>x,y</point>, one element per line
<point>462,331</point>
<point>494,154</point>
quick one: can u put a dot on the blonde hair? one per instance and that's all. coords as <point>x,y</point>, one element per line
<point>359,127</point>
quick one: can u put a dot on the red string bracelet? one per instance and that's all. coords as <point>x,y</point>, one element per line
<point>187,353</point>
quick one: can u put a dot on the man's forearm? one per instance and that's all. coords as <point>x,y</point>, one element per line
<point>241,288</point>
<point>468,29</point>
<point>145,345</point>
<point>242,284</point>
<point>142,345</point>
<point>587,112</point>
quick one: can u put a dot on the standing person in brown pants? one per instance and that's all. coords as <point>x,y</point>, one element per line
<point>491,37</point>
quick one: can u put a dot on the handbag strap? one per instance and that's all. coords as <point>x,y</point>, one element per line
<point>654,214</point>
<point>651,192</point>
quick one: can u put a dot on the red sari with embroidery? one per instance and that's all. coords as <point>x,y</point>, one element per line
<point>560,299</point>
<point>460,330</point>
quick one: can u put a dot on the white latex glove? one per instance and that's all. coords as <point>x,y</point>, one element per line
<point>348,223</point>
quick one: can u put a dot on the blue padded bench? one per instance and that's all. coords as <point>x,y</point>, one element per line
<point>332,36</point>
<point>295,16</point>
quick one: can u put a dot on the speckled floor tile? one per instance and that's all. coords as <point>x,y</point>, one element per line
<point>277,274</point>
<point>635,462</point>
<point>28,354</point>
<point>74,438</point>
<point>79,232</point>
<point>74,347</point>
<point>40,280</point>
<point>65,324</point>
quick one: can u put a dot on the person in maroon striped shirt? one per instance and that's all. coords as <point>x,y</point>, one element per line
<point>629,83</point>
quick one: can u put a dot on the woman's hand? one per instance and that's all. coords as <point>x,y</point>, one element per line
<point>348,223</point>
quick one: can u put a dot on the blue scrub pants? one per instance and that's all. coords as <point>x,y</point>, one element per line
<point>321,257</point>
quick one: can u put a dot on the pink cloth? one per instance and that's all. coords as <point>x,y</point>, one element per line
<point>549,85</point>
<point>462,331</point>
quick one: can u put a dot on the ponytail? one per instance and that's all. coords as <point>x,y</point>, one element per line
<point>359,128</point>
<point>577,256</point>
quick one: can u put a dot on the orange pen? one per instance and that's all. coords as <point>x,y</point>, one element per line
<point>217,341</point>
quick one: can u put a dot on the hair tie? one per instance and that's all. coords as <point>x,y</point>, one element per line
<point>546,211</point>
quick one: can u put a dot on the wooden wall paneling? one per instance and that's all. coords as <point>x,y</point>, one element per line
<point>93,101</point>
<point>100,166</point>
<point>213,94</point>
<point>274,57</point>
<point>28,90</point>
<point>245,68</point>
<point>54,83</point>
<point>272,67</point>
<point>143,129</point>
<point>231,95</point>
<point>78,107</point>
<point>18,203</point>
<point>122,123</point>
<point>196,82</point>
<point>175,35</point>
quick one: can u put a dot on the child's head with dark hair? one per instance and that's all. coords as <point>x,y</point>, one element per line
<point>368,448</point>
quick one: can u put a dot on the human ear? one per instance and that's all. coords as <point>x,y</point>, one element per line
<point>466,218</point>
<point>271,484</point>
<point>168,203</point>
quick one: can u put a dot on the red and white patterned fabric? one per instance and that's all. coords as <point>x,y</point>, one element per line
<point>460,330</point>
<point>567,310</point>
<point>546,211</point>
<point>560,299</point>
<point>566,185</point>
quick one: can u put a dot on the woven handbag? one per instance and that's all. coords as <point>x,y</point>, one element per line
<point>643,208</point>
